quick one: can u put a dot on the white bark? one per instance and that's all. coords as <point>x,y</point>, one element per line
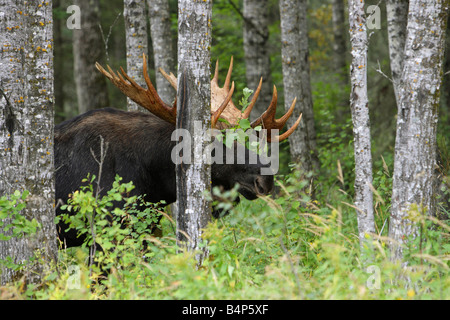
<point>296,79</point>
<point>415,145</point>
<point>397,16</point>
<point>194,96</point>
<point>360,117</point>
<point>163,52</point>
<point>136,43</point>
<point>26,127</point>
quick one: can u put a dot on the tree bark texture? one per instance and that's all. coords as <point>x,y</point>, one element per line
<point>91,86</point>
<point>296,79</point>
<point>163,52</point>
<point>136,36</point>
<point>194,99</point>
<point>415,145</point>
<point>397,17</point>
<point>257,60</point>
<point>26,129</point>
<point>360,117</point>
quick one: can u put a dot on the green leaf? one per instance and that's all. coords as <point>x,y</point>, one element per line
<point>244,124</point>
<point>117,196</point>
<point>25,194</point>
<point>224,121</point>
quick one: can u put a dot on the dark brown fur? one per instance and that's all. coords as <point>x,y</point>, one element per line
<point>139,150</point>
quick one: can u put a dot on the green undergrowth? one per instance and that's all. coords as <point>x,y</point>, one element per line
<point>286,246</point>
<point>289,245</point>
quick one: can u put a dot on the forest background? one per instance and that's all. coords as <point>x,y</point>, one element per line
<point>295,245</point>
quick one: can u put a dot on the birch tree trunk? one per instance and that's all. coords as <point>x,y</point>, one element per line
<point>360,118</point>
<point>415,145</point>
<point>163,52</point>
<point>26,130</point>
<point>257,60</point>
<point>91,86</point>
<point>136,43</point>
<point>397,17</point>
<point>194,98</point>
<point>296,79</point>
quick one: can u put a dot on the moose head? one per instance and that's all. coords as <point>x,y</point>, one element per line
<point>140,144</point>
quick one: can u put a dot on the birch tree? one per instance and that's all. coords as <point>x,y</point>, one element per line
<point>26,131</point>
<point>415,144</point>
<point>296,79</point>
<point>360,117</point>
<point>91,86</point>
<point>136,42</point>
<point>397,16</point>
<point>163,52</point>
<point>257,60</point>
<point>194,98</point>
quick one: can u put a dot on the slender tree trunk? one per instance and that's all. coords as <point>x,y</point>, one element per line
<point>26,130</point>
<point>91,86</point>
<point>194,99</point>
<point>296,78</point>
<point>136,42</point>
<point>339,44</point>
<point>163,51</point>
<point>257,60</point>
<point>415,145</point>
<point>397,17</point>
<point>360,117</point>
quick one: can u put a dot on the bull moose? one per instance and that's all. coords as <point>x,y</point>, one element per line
<point>139,144</point>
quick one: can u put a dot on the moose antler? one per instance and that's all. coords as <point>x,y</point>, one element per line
<point>218,94</point>
<point>222,105</point>
<point>268,121</point>
<point>147,98</point>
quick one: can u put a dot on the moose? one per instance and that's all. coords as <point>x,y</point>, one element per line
<point>139,144</point>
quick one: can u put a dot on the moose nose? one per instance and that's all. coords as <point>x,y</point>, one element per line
<point>263,184</point>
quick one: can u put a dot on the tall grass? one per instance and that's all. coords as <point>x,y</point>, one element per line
<point>283,247</point>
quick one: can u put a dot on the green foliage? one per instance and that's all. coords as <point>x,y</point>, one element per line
<point>11,218</point>
<point>119,232</point>
<point>13,224</point>
<point>242,131</point>
<point>334,137</point>
<point>287,247</point>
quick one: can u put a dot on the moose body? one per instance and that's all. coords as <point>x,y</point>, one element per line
<point>138,149</point>
<point>140,145</point>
